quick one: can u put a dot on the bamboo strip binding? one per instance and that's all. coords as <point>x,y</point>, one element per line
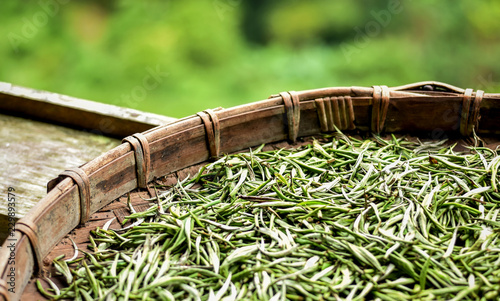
<point>292,109</point>
<point>470,111</point>
<point>82,181</point>
<point>335,112</point>
<point>142,156</point>
<point>381,98</point>
<point>30,229</point>
<point>212,130</point>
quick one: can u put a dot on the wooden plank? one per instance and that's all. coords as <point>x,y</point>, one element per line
<point>70,111</point>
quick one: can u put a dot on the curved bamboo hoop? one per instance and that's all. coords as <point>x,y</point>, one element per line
<point>77,193</point>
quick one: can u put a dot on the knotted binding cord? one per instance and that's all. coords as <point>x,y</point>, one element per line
<point>212,130</point>
<point>4,295</point>
<point>381,97</point>
<point>335,112</point>
<point>29,229</point>
<point>82,181</point>
<point>142,157</point>
<point>292,110</point>
<point>469,117</point>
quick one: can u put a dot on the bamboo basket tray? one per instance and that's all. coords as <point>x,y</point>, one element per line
<point>82,198</point>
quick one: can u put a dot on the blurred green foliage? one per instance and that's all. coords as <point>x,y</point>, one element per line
<point>179,57</point>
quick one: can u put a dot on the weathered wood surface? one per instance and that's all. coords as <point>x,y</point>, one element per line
<point>33,152</point>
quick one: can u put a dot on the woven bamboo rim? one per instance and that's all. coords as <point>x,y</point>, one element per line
<point>416,108</point>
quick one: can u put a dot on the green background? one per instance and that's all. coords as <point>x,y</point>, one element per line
<point>179,57</point>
